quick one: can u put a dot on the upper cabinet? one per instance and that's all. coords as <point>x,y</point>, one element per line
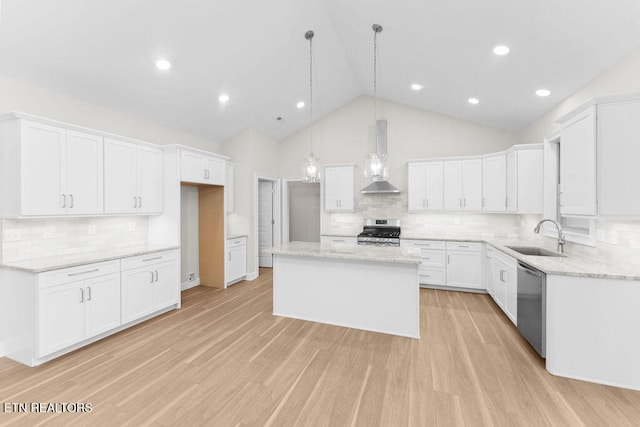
<point>425,184</point>
<point>525,181</point>
<point>339,188</point>
<point>598,158</point>
<point>463,185</point>
<point>49,170</point>
<point>200,168</point>
<point>133,178</point>
<point>494,183</point>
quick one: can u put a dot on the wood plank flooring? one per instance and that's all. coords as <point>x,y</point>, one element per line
<point>225,360</point>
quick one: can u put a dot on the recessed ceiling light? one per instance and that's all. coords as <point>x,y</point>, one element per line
<point>473,101</point>
<point>501,50</point>
<point>543,92</point>
<point>416,86</point>
<point>163,64</point>
<point>223,98</point>
<point>300,104</point>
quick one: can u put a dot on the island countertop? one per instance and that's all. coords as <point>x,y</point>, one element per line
<point>392,254</point>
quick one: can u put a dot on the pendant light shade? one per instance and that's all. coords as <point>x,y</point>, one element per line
<point>311,166</point>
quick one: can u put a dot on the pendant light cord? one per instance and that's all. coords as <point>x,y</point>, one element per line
<point>309,36</point>
<point>375,74</point>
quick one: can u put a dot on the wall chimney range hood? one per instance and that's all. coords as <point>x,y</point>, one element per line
<point>378,164</point>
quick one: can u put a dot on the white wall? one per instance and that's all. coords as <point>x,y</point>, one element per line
<point>189,233</point>
<point>618,241</point>
<point>253,154</point>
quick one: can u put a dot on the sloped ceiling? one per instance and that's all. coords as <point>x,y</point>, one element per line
<point>104,52</point>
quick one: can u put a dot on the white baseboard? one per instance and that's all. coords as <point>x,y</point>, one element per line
<point>189,284</point>
<point>251,276</point>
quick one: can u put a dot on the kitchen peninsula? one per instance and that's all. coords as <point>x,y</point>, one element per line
<point>363,287</point>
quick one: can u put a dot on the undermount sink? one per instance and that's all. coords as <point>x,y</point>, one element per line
<point>535,251</point>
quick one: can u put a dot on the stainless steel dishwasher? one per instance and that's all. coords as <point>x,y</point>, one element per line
<point>532,309</point>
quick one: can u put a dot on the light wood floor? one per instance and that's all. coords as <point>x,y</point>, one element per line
<point>225,360</point>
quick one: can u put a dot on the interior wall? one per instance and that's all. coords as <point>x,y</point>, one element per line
<point>619,240</point>
<point>189,233</point>
<point>19,95</point>
<point>304,212</point>
<point>254,154</point>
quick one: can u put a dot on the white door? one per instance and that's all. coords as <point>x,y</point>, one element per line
<point>265,221</point>
<point>417,182</point>
<point>192,167</point>
<point>102,304</point>
<point>434,186</point>
<point>84,173</point>
<point>61,317</point>
<point>472,185</point>
<point>119,177</point>
<point>43,158</point>
<point>331,188</point>
<point>452,185</point>
<point>494,184</point>
<point>166,287</point>
<point>137,293</point>
<point>149,180</point>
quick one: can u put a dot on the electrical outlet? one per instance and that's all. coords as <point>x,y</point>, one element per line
<point>192,277</point>
<point>92,229</point>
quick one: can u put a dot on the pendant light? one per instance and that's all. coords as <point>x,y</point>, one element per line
<point>311,166</point>
<point>375,164</point>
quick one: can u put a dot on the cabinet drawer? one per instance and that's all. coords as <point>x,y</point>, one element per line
<point>432,258</point>
<point>464,246</point>
<point>431,276</point>
<point>238,241</point>
<point>339,240</point>
<point>422,244</point>
<point>148,259</point>
<point>81,272</point>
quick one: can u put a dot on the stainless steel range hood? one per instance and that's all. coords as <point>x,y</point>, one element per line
<point>381,186</point>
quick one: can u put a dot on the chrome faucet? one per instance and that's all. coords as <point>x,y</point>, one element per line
<point>560,235</point>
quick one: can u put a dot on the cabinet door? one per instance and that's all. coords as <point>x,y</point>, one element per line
<point>472,185</point>
<point>150,188</point>
<point>512,182</point>
<point>452,172</point>
<point>228,190</point>
<point>137,293</point>
<point>84,174</point>
<point>237,262</point>
<point>494,183</point>
<point>43,164</point>
<point>60,317</point>
<point>192,168</point>
<point>215,171</point>
<point>102,304</point>
<point>331,189</point>
<point>417,186</point>
<point>119,177</point>
<point>464,269</point>
<point>166,287</point>
<point>346,189</point>
<point>530,181</point>
<point>499,283</point>
<point>434,186</point>
<point>511,294</point>
<point>577,165</point>
<point>488,274</point>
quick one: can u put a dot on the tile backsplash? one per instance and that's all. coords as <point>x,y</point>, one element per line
<point>24,239</point>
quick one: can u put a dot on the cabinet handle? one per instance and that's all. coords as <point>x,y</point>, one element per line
<point>422,244</point>
<point>156,275</point>
<point>460,202</point>
<point>506,202</point>
<point>64,200</point>
<point>464,203</point>
<point>463,246</point>
<point>81,295</point>
<point>448,259</point>
<point>426,258</point>
<point>427,200</point>
<point>205,173</point>
<point>135,202</point>
<point>483,202</point>
<point>70,200</point>
<point>89,293</point>
<point>229,256</point>
<point>83,272</point>
<point>151,281</point>
<point>152,259</point>
<point>139,201</point>
<point>501,278</point>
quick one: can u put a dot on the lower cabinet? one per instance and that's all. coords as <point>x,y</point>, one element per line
<point>149,283</point>
<point>236,261</point>
<point>432,268</point>
<point>502,281</point>
<point>339,240</point>
<point>464,265</point>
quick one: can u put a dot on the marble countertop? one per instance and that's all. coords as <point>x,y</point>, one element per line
<point>392,254</point>
<point>41,265</point>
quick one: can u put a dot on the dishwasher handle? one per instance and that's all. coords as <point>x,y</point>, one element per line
<point>530,270</point>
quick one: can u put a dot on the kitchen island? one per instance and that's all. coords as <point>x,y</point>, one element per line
<point>364,287</point>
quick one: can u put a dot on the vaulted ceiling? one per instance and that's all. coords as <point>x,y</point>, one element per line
<point>104,51</point>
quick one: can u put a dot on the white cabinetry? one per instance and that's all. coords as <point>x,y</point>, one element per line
<point>464,265</point>
<point>149,283</point>
<point>48,170</point>
<point>432,270</point>
<point>578,164</point>
<point>425,184</point>
<point>502,281</point>
<point>133,178</point>
<point>201,169</point>
<point>228,189</point>
<point>494,183</point>
<point>525,180</point>
<point>463,185</point>
<point>339,240</point>
<point>339,193</point>
<point>236,261</point>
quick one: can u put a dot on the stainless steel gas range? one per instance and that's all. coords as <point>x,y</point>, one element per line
<point>380,232</point>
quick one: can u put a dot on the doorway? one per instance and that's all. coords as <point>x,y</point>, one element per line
<point>302,208</point>
<point>267,218</point>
